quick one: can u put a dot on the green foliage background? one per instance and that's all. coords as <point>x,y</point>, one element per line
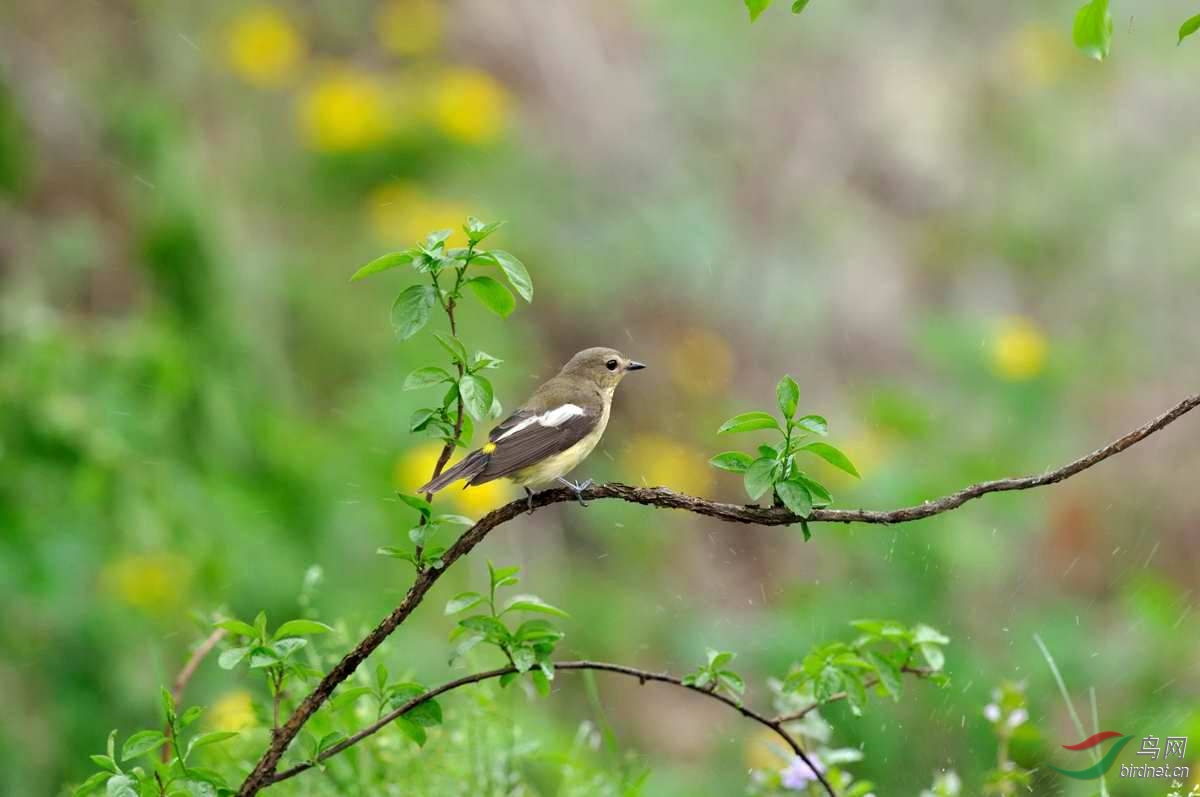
<point>973,247</point>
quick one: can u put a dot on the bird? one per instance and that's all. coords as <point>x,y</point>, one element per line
<point>552,432</point>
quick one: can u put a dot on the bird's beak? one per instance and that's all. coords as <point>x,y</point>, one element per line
<point>634,365</point>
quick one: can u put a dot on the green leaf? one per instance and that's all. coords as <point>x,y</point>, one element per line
<point>831,455</point>
<point>425,377</point>
<point>237,627</point>
<point>477,230</point>
<point>923,634</point>
<point>391,260</point>
<point>168,704</point>
<point>301,628</point>
<point>121,786</point>
<point>820,496</point>
<point>191,715</point>
<point>829,683</point>
<point>799,5</point>
<point>532,603</point>
<point>493,295</point>
<point>787,393</point>
<point>856,692</point>
<point>91,785</point>
<point>485,360</point>
<point>417,502</point>
<point>748,422</point>
<point>732,461</point>
<point>514,269</point>
<point>436,239</point>
<point>524,659</point>
<point>463,601</point>
<point>231,658</point>
<point>1190,26</point>
<point>461,520</point>
<point>541,682</point>
<point>538,630</point>
<point>889,673</point>
<point>795,497</point>
<point>718,658</point>
<point>412,730</point>
<point>731,681</point>
<point>492,628</point>
<point>813,423</point>
<point>500,576</point>
<point>141,743</point>
<point>410,311</point>
<point>756,7</point>
<point>427,713</point>
<point>104,762</point>
<point>476,395</point>
<point>453,345</point>
<point>1093,29</point>
<point>205,739</point>
<point>805,530</point>
<point>933,654</point>
<point>758,477</point>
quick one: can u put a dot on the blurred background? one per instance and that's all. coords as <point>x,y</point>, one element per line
<point>975,249</point>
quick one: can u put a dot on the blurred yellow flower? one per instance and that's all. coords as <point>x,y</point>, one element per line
<point>410,27</point>
<point>345,109</point>
<point>233,711</point>
<point>416,466</point>
<point>765,750</point>
<point>469,105</point>
<point>402,214</point>
<point>661,461</point>
<point>701,362</point>
<point>153,582</point>
<point>1038,55</point>
<point>263,47</point>
<point>1018,349</point>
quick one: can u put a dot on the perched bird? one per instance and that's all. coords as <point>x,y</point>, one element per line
<point>552,432</point>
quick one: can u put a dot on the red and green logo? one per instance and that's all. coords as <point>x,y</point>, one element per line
<point>1101,766</point>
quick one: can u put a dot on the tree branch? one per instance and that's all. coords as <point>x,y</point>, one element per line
<point>643,677</point>
<point>185,676</point>
<point>666,499</point>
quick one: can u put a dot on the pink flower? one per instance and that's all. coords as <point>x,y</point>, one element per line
<point>798,774</point>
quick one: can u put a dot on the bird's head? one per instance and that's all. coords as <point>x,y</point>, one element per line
<point>606,367</point>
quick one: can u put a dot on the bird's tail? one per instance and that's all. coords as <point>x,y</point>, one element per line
<point>470,467</point>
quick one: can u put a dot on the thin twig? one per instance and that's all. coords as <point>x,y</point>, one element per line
<point>667,499</point>
<point>804,711</point>
<point>643,676</point>
<point>185,676</point>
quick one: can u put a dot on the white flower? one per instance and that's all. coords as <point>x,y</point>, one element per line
<point>992,712</point>
<point>1018,717</point>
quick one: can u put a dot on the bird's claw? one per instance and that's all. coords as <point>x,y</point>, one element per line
<point>577,488</point>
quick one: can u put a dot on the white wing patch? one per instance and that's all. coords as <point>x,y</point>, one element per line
<point>554,417</point>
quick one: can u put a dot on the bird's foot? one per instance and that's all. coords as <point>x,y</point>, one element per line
<point>576,487</point>
<point>528,499</point>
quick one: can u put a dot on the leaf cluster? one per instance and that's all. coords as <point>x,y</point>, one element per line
<point>140,770</point>
<point>715,675</point>
<point>423,555</point>
<point>878,658</point>
<point>775,468</point>
<point>528,646</point>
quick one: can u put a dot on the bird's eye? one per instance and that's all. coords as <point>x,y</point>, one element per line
<point>611,365</point>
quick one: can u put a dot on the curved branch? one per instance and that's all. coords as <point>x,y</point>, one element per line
<point>666,499</point>
<point>643,677</point>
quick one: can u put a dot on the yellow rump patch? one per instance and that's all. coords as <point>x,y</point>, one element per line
<point>489,448</point>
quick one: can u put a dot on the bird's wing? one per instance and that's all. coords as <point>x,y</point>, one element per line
<point>527,437</point>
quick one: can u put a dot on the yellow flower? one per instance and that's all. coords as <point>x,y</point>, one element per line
<point>263,47</point>
<point>701,362</point>
<point>1038,55</point>
<point>1018,350</point>
<point>469,105</point>
<point>153,582</point>
<point>345,109</point>
<point>233,711</point>
<point>401,214</point>
<point>410,27</point>
<point>416,466</point>
<point>765,750</point>
<point>661,461</point>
